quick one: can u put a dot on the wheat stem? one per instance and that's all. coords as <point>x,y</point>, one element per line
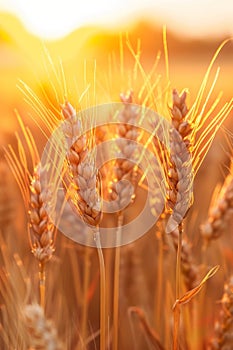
<point>178,283</point>
<point>102,291</point>
<point>178,260</point>
<point>116,281</point>
<point>85,292</point>
<point>176,327</point>
<point>157,309</point>
<point>42,284</point>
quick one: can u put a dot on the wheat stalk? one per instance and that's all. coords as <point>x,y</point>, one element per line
<point>189,141</point>
<point>184,159</point>
<point>41,227</point>
<point>179,195</point>
<point>84,192</point>
<point>188,124</point>
<point>188,266</point>
<point>123,192</point>
<point>150,334</point>
<point>37,198</point>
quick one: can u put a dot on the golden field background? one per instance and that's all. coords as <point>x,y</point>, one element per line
<point>22,57</point>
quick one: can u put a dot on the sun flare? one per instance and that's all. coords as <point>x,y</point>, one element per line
<point>54,19</point>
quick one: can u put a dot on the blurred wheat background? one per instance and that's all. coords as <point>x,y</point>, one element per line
<point>103,58</point>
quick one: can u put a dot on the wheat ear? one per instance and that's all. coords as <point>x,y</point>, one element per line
<point>187,124</point>
<point>84,191</point>
<point>122,193</point>
<point>42,334</point>
<point>179,180</point>
<point>126,137</point>
<point>41,227</point>
<point>224,325</point>
<point>220,211</point>
<point>84,180</point>
<point>37,198</point>
<point>189,130</point>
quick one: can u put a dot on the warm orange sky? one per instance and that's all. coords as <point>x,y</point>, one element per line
<point>56,18</point>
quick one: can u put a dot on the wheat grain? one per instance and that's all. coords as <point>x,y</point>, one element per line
<point>178,116</point>
<point>42,333</point>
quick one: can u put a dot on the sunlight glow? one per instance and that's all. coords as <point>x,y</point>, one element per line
<point>53,19</point>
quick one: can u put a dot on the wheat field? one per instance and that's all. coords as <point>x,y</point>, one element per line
<point>80,269</point>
